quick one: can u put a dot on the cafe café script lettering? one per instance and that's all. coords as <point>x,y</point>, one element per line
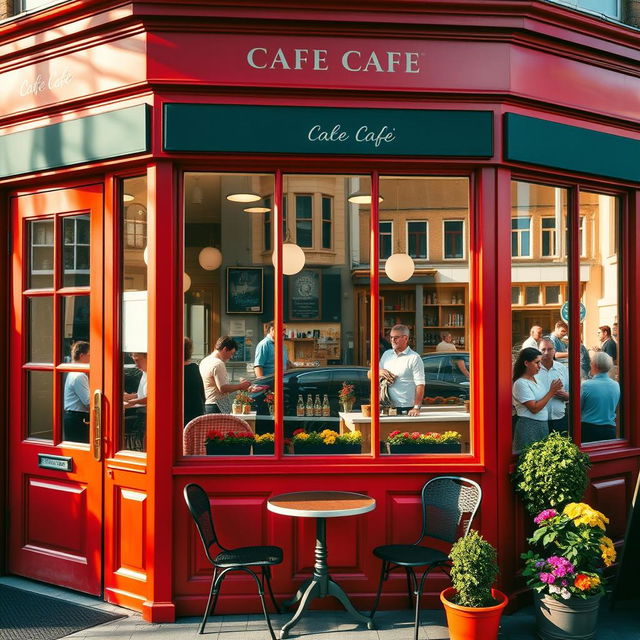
<point>40,83</point>
<point>376,137</point>
<point>318,60</point>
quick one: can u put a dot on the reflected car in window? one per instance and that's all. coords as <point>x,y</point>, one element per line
<point>444,375</point>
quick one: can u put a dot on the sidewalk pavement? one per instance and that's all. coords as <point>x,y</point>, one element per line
<point>621,624</point>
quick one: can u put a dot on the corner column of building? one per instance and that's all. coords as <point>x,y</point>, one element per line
<point>165,305</point>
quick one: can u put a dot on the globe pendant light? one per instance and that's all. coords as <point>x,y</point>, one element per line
<point>399,267</point>
<point>186,282</point>
<point>293,258</point>
<point>210,258</point>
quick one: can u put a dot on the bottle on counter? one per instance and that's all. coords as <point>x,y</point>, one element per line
<point>309,406</point>
<point>317,407</point>
<point>326,409</point>
<point>300,407</point>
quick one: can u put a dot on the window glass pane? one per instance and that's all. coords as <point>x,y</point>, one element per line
<point>134,312</point>
<point>75,230</point>
<point>600,392</point>
<point>40,255</point>
<point>40,337</point>
<point>76,399</point>
<point>228,301</point>
<point>40,404</point>
<point>74,324</point>
<point>304,220</point>
<point>435,312</point>
<point>386,239</point>
<point>538,332</point>
<point>453,239</point>
<point>326,222</point>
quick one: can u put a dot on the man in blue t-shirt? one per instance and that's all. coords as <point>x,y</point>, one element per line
<point>264,360</point>
<point>599,399</point>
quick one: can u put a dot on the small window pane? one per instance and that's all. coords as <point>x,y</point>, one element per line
<point>515,295</point>
<point>40,338</point>
<point>40,268</point>
<point>40,404</point>
<point>76,400</point>
<point>304,227</point>
<point>552,294</point>
<point>453,239</point>
<point>385,239</point>
<point>75,323</point>
<point>532,295</point>
<point>76,251</point>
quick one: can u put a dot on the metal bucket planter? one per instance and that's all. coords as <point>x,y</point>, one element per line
<point>572,619</point>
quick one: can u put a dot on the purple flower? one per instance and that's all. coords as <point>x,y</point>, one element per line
<point>545,515</point>
<point>547,578</point>
<point>540,564</point>
<point>561,566</point>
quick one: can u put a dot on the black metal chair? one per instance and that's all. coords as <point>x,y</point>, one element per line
<point>240,559</point>
<point>449,504</point>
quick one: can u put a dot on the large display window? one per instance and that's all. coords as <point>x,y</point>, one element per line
<point>422,350</point>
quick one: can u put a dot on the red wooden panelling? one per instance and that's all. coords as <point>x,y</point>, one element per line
<point>611,497</point>
<point>45,500</point>
<point>131,530</point>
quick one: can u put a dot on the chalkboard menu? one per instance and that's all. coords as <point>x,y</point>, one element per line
<point>305,295</point>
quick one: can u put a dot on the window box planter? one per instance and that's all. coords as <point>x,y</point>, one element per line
<point>425,448</point>
<point>263,449</point>
<point>326,449</point>
<point>231,449</point>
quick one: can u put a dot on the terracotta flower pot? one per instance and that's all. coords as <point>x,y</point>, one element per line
<point>473,623</point>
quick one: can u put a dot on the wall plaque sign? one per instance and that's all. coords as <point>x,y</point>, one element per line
<point>57,463</point>
<point>324,130</point>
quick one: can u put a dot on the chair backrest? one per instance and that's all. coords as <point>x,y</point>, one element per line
<point>196,431</point>
<point>200,507</point>
<point>449,504</point>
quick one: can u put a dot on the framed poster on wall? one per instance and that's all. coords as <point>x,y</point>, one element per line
<point>244,289</point>
<point>305,295</point>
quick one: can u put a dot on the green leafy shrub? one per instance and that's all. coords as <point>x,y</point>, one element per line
<point>551,473</point>
<point>474,570</point>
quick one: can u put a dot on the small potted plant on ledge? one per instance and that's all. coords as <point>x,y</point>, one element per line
<point>269,398</point>
<point>241,403</point>
<point>347,397</point>
<point>327,442</point>
<point>228,444</point>
<point>564,568</point>
<point>416,442</point>
<point>263,445</point>
<point>472,606</point>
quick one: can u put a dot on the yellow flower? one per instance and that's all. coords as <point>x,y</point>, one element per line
<point>608,551</point>
<point>327,433</point>
<point>582,513</point>
<point>330,440</point>
<point>302,436</point>
<point>265,437</point>
<point>595,581</point>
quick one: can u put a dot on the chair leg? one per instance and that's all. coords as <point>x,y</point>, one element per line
<point>412,585</point>
<point>266,573</point>
<point>261,594</point>
<point>418,595</point>
<point>206,611</point>
<point>383,573</point>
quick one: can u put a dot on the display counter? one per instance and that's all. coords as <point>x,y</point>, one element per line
<point>438,420</point>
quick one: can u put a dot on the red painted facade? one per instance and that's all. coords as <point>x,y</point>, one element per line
<point>70,61</point>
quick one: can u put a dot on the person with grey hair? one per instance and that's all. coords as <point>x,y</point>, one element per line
<point>402,368</point>
<point>534,337</point>
<point>551,370</point>
<point>446,343</point>
<point>599,398</point>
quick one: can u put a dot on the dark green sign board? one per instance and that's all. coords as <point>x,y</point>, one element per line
<point>320,130</point>
<point>562,146</point>
<point>106,135</point>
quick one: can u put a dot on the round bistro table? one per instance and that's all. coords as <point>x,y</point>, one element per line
<point>321,505</point>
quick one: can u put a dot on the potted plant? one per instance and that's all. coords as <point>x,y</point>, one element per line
<point>472,606</point>
<point>551,473</point>
<point>564,568</point>
<point>416,442</point>
<point>327,442</point>
<point>228,444</point>
<point>269,398</point>
<point>347,397</point>
<point>241,403</point>
<point>263,444</point>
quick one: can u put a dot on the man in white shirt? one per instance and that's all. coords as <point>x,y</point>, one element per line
<point>550,370</point>
<point>76,397</point>
<point>534,337</point>
<point>215,378</point>
<point>402,367</point>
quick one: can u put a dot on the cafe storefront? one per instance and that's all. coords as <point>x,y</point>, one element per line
<point>338,171</point>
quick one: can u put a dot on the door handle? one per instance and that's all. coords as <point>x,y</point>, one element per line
<point>97,422</point>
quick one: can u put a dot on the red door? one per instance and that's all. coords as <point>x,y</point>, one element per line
<point>56,370</point>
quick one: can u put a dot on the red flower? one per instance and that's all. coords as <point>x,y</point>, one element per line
<point>297,431</point>
<point>394,433</point>
<point>582,582</point>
